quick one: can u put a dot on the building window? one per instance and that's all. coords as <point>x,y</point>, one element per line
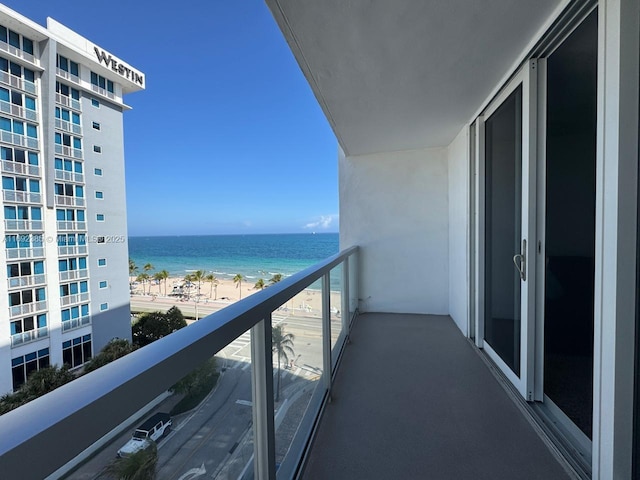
<point>22,367</point>
<point>77,351</point>
<point>99,195</point>
<point>102,262</point>
<point>95,103</point>
<point>97,149</point>
<point>104,306</point>
<point>103,284</point>
<point>16,40</point>
<point>101,82</point>
<point>66,65</point>
<point>100,217</point>
<point>95,125</point>
<point>69,92</point>
<point>97,172</point>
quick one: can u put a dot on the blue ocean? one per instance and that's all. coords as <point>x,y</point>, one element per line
<point>253,256</point>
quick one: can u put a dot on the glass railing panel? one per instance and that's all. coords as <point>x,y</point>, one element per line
<point>335,305</point>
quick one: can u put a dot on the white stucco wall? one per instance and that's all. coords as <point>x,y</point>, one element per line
<point>458,168</point>
<point>395,207</point>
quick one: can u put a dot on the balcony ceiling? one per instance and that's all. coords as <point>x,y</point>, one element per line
<point>405,74</point>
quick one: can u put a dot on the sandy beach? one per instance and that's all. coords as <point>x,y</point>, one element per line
<point>151,296</point>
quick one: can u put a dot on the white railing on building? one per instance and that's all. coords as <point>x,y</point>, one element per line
<point>66,201</point>
<point>29,336</point>
<point>68,151</point>
<point>21,197</point>
<point>26,308</point>
<point>69,176</point>
<point>70,225</point>
<point>74,274</point>
<point>68,101</point>
<point>18,111</point>
<point>68,75</point>
<point>68,126</point>
<point>76,323</point>
<point>27,280</point>
<point>18,52</point>
<point>72,250</point>
<point>17,139</point>
<point>29,252</point>
<point>17,82</point>
<point>23,224</point>
<point>76,298</point>
<point>20,168</point>
<point>103,92</point>
<point>118,390</point>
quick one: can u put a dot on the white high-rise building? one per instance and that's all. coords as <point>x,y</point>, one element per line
<point>64,224</point>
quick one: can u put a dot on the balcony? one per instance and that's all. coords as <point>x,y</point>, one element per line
<point>17,82</point>
<point>104,92</point>
<point>17,196</point>
<point>69,176</point>
<point>63,200</point>
<point>18,111</point>
<point>23,225</point>
<point>68,225</point>
<point>26,252</point>
<point>18,52</point>
<point>20,168</point>
<point>68,126</point>
<point>30,336</point>
<point>68,76</point>
<point>64,250</point>
<point>74,274</point>
<point>20,140</point>
<point>27,308</point>
<point>75,323</point>
<point>68,102</point>
<point>76,298</point>
<point>68,151</point>
<point>26,280</point>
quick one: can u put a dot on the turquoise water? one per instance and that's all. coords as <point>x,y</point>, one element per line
<point>253,256</point>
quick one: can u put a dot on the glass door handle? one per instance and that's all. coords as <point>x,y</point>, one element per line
<point>520,261</point>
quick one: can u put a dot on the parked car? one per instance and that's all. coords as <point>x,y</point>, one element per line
<point>151,430</point>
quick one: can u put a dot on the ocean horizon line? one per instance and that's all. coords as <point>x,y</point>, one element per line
<point>233,234</point>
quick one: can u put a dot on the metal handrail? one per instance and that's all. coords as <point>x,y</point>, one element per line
<point>94,404</point>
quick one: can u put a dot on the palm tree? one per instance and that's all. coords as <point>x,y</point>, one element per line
<point>238,281</point>
<point>188,279</point>
<point>148,267</point>
<point>140,465</point>
<point>133,268</point>
<point>198,276</point>
<point>214,281</point>
<point>282,346</point>
<point>259,284</point>
<point>142,278</point>
<point>277,277</point>
<point>162,275</point>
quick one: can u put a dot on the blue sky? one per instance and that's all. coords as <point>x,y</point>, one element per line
<point>227,137</point>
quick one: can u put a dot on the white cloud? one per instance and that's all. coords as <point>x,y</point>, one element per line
<point>323,222</point>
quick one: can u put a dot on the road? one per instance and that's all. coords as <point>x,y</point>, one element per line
<point>214,440</point>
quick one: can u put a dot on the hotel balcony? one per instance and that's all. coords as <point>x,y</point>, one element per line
<point>64,250</point>
<point>25,225</point>
<point>74,274</point>
<point>18,111</point>
<point>26,308</point>
<point>68,151</point>
<point>73,299</point>
<point>17,196</point>
<point>68,102</point>
<point>67,201</point>
<point>67,76</point>
<point>27,280</point>
<point>20,168</point>
<point>70,225</point>
<point>68,126</point>
<point>75,323</point>
<point>24,253</point>
<point>18,52</point>
<point>29,336</point>
<point>17,82</point>
<point>19,140</point>
<point>69,176</point>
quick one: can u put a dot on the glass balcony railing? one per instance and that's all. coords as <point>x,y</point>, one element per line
<point>26,308</point>
<point>18,52</point>
<point>26,252</point>
<point>18,196</point>
<point>63,200</point>
<point>13,224</point>
<point>71,225</point>
<point>74,274</point>
<point>76,298</point>
<point>258,418</point>
<point>67,75</point>
<point>69,176</point>
<point>68,101</point>
<point>75,323</point>
<point>72,250</point>
<point>20,168</point>
<point>68,151</point>
<point>27,280</point>
<point>17,82</point>
<point>17,139</point>
<point>68,126</point>
<point>104,92</point>
<point>18,111</point>
<point>29,336</point>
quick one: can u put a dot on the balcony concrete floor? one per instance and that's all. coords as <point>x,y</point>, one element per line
<point>413,399</point>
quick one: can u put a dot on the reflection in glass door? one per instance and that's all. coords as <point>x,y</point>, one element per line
<point>503,236</point>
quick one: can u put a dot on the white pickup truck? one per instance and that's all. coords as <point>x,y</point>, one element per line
<point>152,429</point>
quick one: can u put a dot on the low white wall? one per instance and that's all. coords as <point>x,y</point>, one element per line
<point>458,164</point>
<point>395,207</point>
